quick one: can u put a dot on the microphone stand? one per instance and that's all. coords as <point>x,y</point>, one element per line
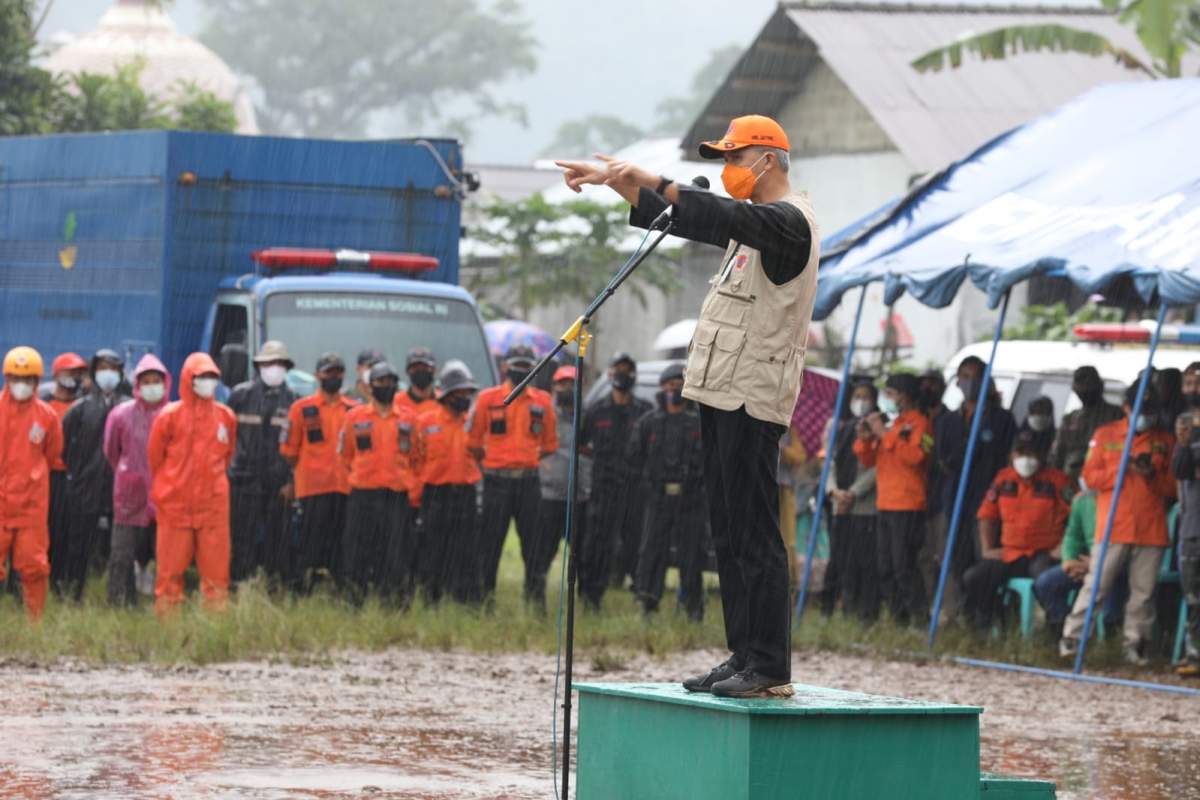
<point>578,332</point>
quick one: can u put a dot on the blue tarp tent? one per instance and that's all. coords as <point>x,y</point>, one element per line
<point>1104,191</point>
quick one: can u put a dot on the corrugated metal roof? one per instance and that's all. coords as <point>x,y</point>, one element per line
<point>931,118</point>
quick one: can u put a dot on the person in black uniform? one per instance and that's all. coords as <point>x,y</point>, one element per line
<point>608,550</point>
<point>89,476</point>
<point>665,451</point>
<point>261,489</point>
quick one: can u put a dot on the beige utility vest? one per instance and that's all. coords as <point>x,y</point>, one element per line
<point>748,348</point>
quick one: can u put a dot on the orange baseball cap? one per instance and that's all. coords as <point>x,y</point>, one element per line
<point>565,373</point>
<point>754,130</point>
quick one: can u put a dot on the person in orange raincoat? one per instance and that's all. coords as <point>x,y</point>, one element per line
<point>1139,534</point>
<point>32,436</point>
<point>191,445</point>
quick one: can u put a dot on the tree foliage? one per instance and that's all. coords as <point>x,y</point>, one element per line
<point>323,72</point>
<point>28,95</point>
<point>552,253</point>
<point>1166,28</point>
<point>1055,323</point>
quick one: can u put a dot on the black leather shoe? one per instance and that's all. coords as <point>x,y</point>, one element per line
<point>749,683</point>
<point>704,683</point>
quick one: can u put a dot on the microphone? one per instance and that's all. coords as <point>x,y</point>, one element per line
<point>700,182</point>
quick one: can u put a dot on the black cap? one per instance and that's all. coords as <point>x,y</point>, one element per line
<point>105,354</point>
<point>420,355</point>
<point>1086,376</point>
<point>370,357</point>
<point>330,361</point>
<point>383,370</point>
<point>672,372</point>
<point>1149,399</point>
<point>905,383</point>
<point>519,353</point>
<point>1025,442</point>
<point>622,358</point>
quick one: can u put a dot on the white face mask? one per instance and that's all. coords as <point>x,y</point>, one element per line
<point>888,406</point>
<point>1025,466</point>
<point>153,393</point>
<point>20,391</point>
<point>1144,423</point>
<point>364,375</point>
<point>205,388</point>
<point>273,374</point>
<point>67,381</point>
<point>860,408</point>
<point>107,380</point>
<point>1039,422</point>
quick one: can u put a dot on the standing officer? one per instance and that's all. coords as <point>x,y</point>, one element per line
<point>361,393</point>
<point>665,451</point>
<point>448,475</point>
<point>1071,446</point>
<point>614,512</point>
<point>261,479</point>
<point>67,370</point>
<point>32,436</point>
<point>376,444</point>
<point>510,441</point>
<point>89,475</point>
<point>1186,467</point>
<point>420,367</point>
<point>322,483</point>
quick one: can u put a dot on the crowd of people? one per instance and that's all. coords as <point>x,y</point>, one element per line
<point>398,484</point>
<point>406,483</point>
<point>1036,503</point>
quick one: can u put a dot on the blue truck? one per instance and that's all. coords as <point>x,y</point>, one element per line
<point>145,241</point>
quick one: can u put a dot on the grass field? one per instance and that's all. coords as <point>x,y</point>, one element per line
<point>259,625</point>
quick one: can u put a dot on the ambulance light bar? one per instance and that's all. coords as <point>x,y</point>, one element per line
<point>302,258</point>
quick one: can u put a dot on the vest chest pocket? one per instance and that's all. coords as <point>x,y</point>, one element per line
<point>714,356</point>
<point>729,308</point>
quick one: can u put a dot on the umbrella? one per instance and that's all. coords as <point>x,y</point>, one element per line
<point>505,333</point>
<point>814,407</point>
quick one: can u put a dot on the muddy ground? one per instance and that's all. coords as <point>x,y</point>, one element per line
<point>418,724</point>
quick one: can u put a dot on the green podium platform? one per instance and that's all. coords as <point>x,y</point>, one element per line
<point>655,740</point>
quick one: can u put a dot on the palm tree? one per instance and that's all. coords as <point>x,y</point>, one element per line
<point>1167,29</point>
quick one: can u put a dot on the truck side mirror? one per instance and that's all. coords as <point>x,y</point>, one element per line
<point>234,362</point>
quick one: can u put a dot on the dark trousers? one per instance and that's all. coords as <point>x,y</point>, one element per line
<point>77,549</point>
<point>259,533</point>
<point>672,520</point>
<point>852,574</point>
<point>900,536</point>
<point>982,582</point>
<point>1189,582</point>
<point>377,547</point>
<point>322,523</point>
<point>506,499</point>
<point>59,534</point>
<point>449,543</point>
<point>1054,587</point>
<point>614,515</point>
<point>539,553</point>
<point>130,544</point>
<point>741,455</point>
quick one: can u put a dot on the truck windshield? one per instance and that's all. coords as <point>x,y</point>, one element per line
<point>348,322</point>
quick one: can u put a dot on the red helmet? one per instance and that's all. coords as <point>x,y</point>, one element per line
<point>65,361</point>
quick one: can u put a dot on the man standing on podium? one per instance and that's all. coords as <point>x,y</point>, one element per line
<point>743,370</point>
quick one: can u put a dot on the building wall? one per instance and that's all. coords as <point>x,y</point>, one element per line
<point>825,118</point>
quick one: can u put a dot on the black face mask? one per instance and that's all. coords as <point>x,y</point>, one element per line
<point>565,399</point>
<point>969,388</point>
<point>458,403</point>
<point>421,379</point>
<point>331,385</point>
<point>623,381</point>
<point>930,398</point>
<point>516,375</point>
<point>1192,400</point>
<point>675,398</point>
<point>383,394</point>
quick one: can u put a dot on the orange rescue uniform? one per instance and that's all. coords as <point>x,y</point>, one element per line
<point>378,450</point>
<point>32,445</point>
<point>191,444</point>
<point>515,436</point>
<point>314,425</point>
<point>403,401</point>
<point>899,458</point>
<point>443,456</point>
<point>1142,512</point>
<point>1032,513</point>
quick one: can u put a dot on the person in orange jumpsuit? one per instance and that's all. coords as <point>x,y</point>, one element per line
<point>309,445</point>
<point>510,441</point>
<point>448,475</point>
<point>68,371</point>
<point>1021,524</point>
<point>376,444</point>
<point>32,436</point>
<point>1139,534</point>
<point>899,451</point>
<point>191,444</point>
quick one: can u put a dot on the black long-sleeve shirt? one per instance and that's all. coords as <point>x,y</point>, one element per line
<point>777,230</point>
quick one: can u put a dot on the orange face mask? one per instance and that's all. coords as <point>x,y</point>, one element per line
<point>739,181</point>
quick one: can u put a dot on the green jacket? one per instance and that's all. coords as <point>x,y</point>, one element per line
<point>1081,526</point>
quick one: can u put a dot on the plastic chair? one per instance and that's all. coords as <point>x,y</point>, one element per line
<point>1023,589</point>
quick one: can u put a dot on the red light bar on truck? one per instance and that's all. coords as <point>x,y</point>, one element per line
<point>1135,333</point>
<point>284,257</point>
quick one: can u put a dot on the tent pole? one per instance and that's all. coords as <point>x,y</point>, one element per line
<point>960,495</point>
<point>1116,497</point>
<point>815,528</point>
